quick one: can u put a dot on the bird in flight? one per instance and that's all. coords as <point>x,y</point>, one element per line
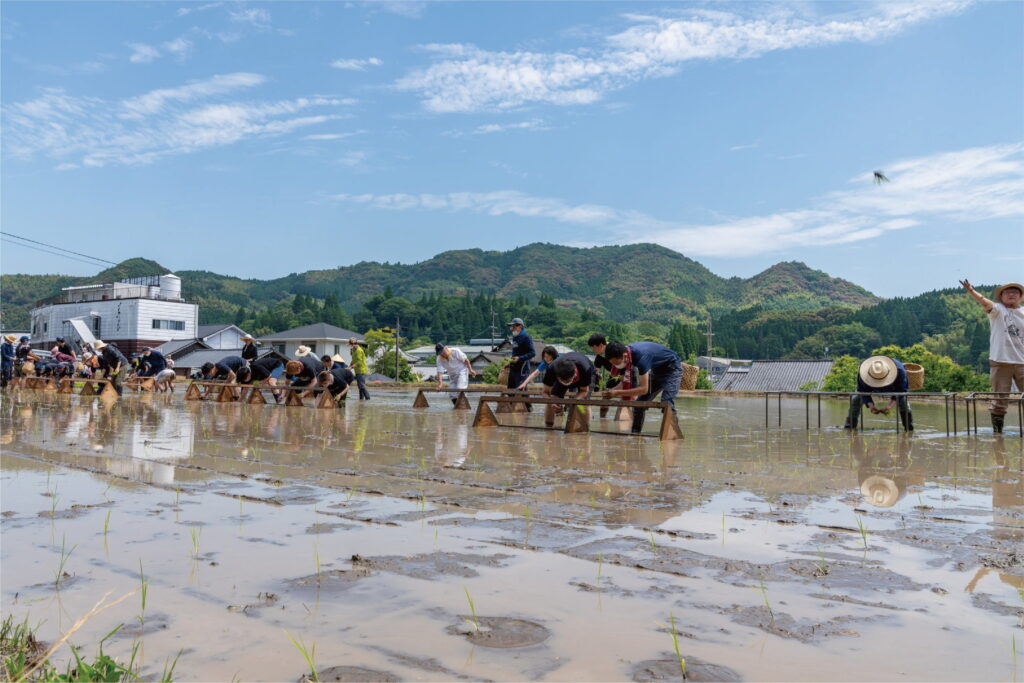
<point>880,178</point>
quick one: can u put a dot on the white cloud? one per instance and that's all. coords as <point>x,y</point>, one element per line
<point>184,11</point>
<point>403,8</point>
<point>355,64</point>
<point>92,132</point>
<point>332,136</point>
<point>179,47</point>
<point>484,129</point>
<point>467,78</point>
<point>142,53</point>
<point>260,18</point>
<point>352,159</point>
<point>965,186</point>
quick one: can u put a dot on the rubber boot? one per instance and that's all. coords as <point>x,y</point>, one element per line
<point>997,423</point>
<point>852,419</point>
<point>638,420</point>
<point>907,418</point>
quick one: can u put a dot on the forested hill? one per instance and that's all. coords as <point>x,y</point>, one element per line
<point>620,283</point>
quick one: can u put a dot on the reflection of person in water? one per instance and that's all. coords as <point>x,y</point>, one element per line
<point>884,475</point>
<point>1007,515</point>
<point>451,445</point>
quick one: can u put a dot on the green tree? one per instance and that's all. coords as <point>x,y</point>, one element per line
<point>380,350</point>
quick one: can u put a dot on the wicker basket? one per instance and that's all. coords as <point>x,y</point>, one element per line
<point>915,376</point>
<point>690,374</point>
<point>503,376</point>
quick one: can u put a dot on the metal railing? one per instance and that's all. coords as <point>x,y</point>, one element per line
<point>971,402</point>
<point>949,400</point>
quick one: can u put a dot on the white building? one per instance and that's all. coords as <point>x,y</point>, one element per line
<point>132,313</point>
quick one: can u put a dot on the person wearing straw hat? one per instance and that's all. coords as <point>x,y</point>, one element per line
<point>249,351</point>
<point>1005,343</point>
<point>7,359</point>
<point>881,375</point>
<point>359,367</point>
<point>454,362</point>
<point>114,363</point>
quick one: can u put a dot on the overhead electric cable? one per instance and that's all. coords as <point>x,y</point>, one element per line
<point>54,246</point>
<point>45,251</point>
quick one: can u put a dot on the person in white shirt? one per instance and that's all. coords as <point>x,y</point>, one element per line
<point>455,363</point>
<point>1006,343</point>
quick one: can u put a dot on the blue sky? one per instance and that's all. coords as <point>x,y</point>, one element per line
<point>259,139</point>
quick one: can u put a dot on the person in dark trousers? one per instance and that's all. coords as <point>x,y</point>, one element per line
<point>658,370</point>
<point>23,353</point>
<point>153,362</point>
<point>598,343</point>
<point>249,351</point>
<point>304,371</point>
<point>359,367</point>
<point>262,371</point>
<point>7,359</point>
<point>522,353</point>
<point>65,348</point>
<point>226,369</point>
<point>115,365</point>
<point>881,375</point>
<point>570,372</point>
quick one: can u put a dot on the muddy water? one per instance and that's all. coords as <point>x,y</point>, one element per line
<point>364,530</point>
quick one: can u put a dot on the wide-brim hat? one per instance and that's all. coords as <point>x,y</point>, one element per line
<point>10,338</point>
<point>1016,285</point>
<point>881,492</point>
<point>353,340</point>
<point>337,358</point>
<point>98,345</point>
<point>878,371</point>
<point>303,351</point>
<point>246,337</point>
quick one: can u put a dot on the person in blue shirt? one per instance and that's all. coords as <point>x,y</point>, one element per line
<point>881,375</point>
<point>226,369</point>
<point>522,353</point>
<point>7,360</point>
<point>658,370</point>
<point>152,362</point>
<point>547,357</point>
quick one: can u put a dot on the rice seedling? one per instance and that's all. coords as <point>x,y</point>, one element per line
<point>309,654</point>
<point>64,555</point>
<point>195,533</point>
<point>177,495</point>
<point>316,559</point>
<point>764,595</point>
<point>472,609</point>
<point>106,523</point>
<point>600,561</point>
<point>53,504</point>
<point>863,531</point>
<point>654,546</point>
<point>143,593</point>
<point>675,645</point>
<point>822,566</point>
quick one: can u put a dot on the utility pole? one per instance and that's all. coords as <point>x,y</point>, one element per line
<point>492,329</point>
<point>398,330</point>
<point>709,335</point>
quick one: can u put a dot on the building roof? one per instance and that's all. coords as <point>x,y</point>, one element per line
<point>489,357</point>
<point>774,375</point>
<point>176,346</point>
<point>311,332</point>
<point>204,331</point>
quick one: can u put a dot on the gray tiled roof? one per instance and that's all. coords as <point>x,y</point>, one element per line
<point>198,358</point>
<point>314,331</point>
<point>204,331</point>
<point>775,375</point>
<point>172,347</point>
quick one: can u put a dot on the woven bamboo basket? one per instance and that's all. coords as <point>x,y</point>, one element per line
<point>503,376</point>
<point>690,374</point>
<point>915,376</point>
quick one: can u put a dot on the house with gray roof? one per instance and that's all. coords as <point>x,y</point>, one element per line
<point>221,335</point>
<point>320,337</point>
<point>773,375</point>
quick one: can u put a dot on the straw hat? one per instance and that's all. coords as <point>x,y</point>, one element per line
<point>247,338</point>
<point>878,371</point>
<point>352,341</point>
<point>1000,288</point>
<point>293,367</point>
<point>880,491</point>
<point>10,338</point>
<point>303,351</point>
<point>337,358</point>
<point>98,345</point>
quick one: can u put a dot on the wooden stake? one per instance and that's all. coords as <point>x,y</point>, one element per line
<point>325,401</point>
<point>462,403</point>
<point>88,389</point>
<point>577,421</point>
<point>193,393</point>
<point>109,391</point>
<point>226,395</point>
<point>67,386</point>
<point>293,399</point>
<point>670,429</point>
<point>484,416</point>
<point>421,400</point>
<point>256,396</point>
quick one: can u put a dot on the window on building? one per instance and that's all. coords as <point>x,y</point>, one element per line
<point>311,345</point>
<point>96,325</point>
<point>280,349</point>
<point>337,348</point>
<point>46,327</point>
<point>168,324</point>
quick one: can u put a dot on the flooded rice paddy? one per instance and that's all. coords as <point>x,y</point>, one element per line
<point>408,545</point>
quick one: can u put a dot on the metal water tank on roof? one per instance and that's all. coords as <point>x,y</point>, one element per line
<point>170,286</point>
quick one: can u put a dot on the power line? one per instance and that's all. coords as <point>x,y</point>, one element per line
<point>51,253</point>
<point>54,246</point>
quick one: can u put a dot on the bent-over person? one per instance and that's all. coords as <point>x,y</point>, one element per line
<point>881,375</point>
<point>658,369</point>
<point>454,362</point>
<point>570,372</point>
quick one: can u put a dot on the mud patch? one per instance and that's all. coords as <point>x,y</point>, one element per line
<point>541,535</point>
<point>327,581</point>
<point>328,527</point>
<point>153,623</point>
<point>985,602</point>
<point>350,673</point>
<point>499,632</point>
<point>668,670</point>
<point>803,630</point>
<point>430,565</point>
<point>262,600</point>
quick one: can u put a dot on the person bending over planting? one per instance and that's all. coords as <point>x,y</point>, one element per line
<point>881,375</point>
<point>658,369</point>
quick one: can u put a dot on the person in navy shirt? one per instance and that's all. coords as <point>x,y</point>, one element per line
<point>881,375</point>
<point>522,353</point>
<point>152,362</point>
<point>226,369</point>
<point>263,371</point>
<point>7,359</point>
<point>658,370</point>
<point>570,372</point>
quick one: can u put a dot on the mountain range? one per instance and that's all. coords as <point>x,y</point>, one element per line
<point>620,283</point>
